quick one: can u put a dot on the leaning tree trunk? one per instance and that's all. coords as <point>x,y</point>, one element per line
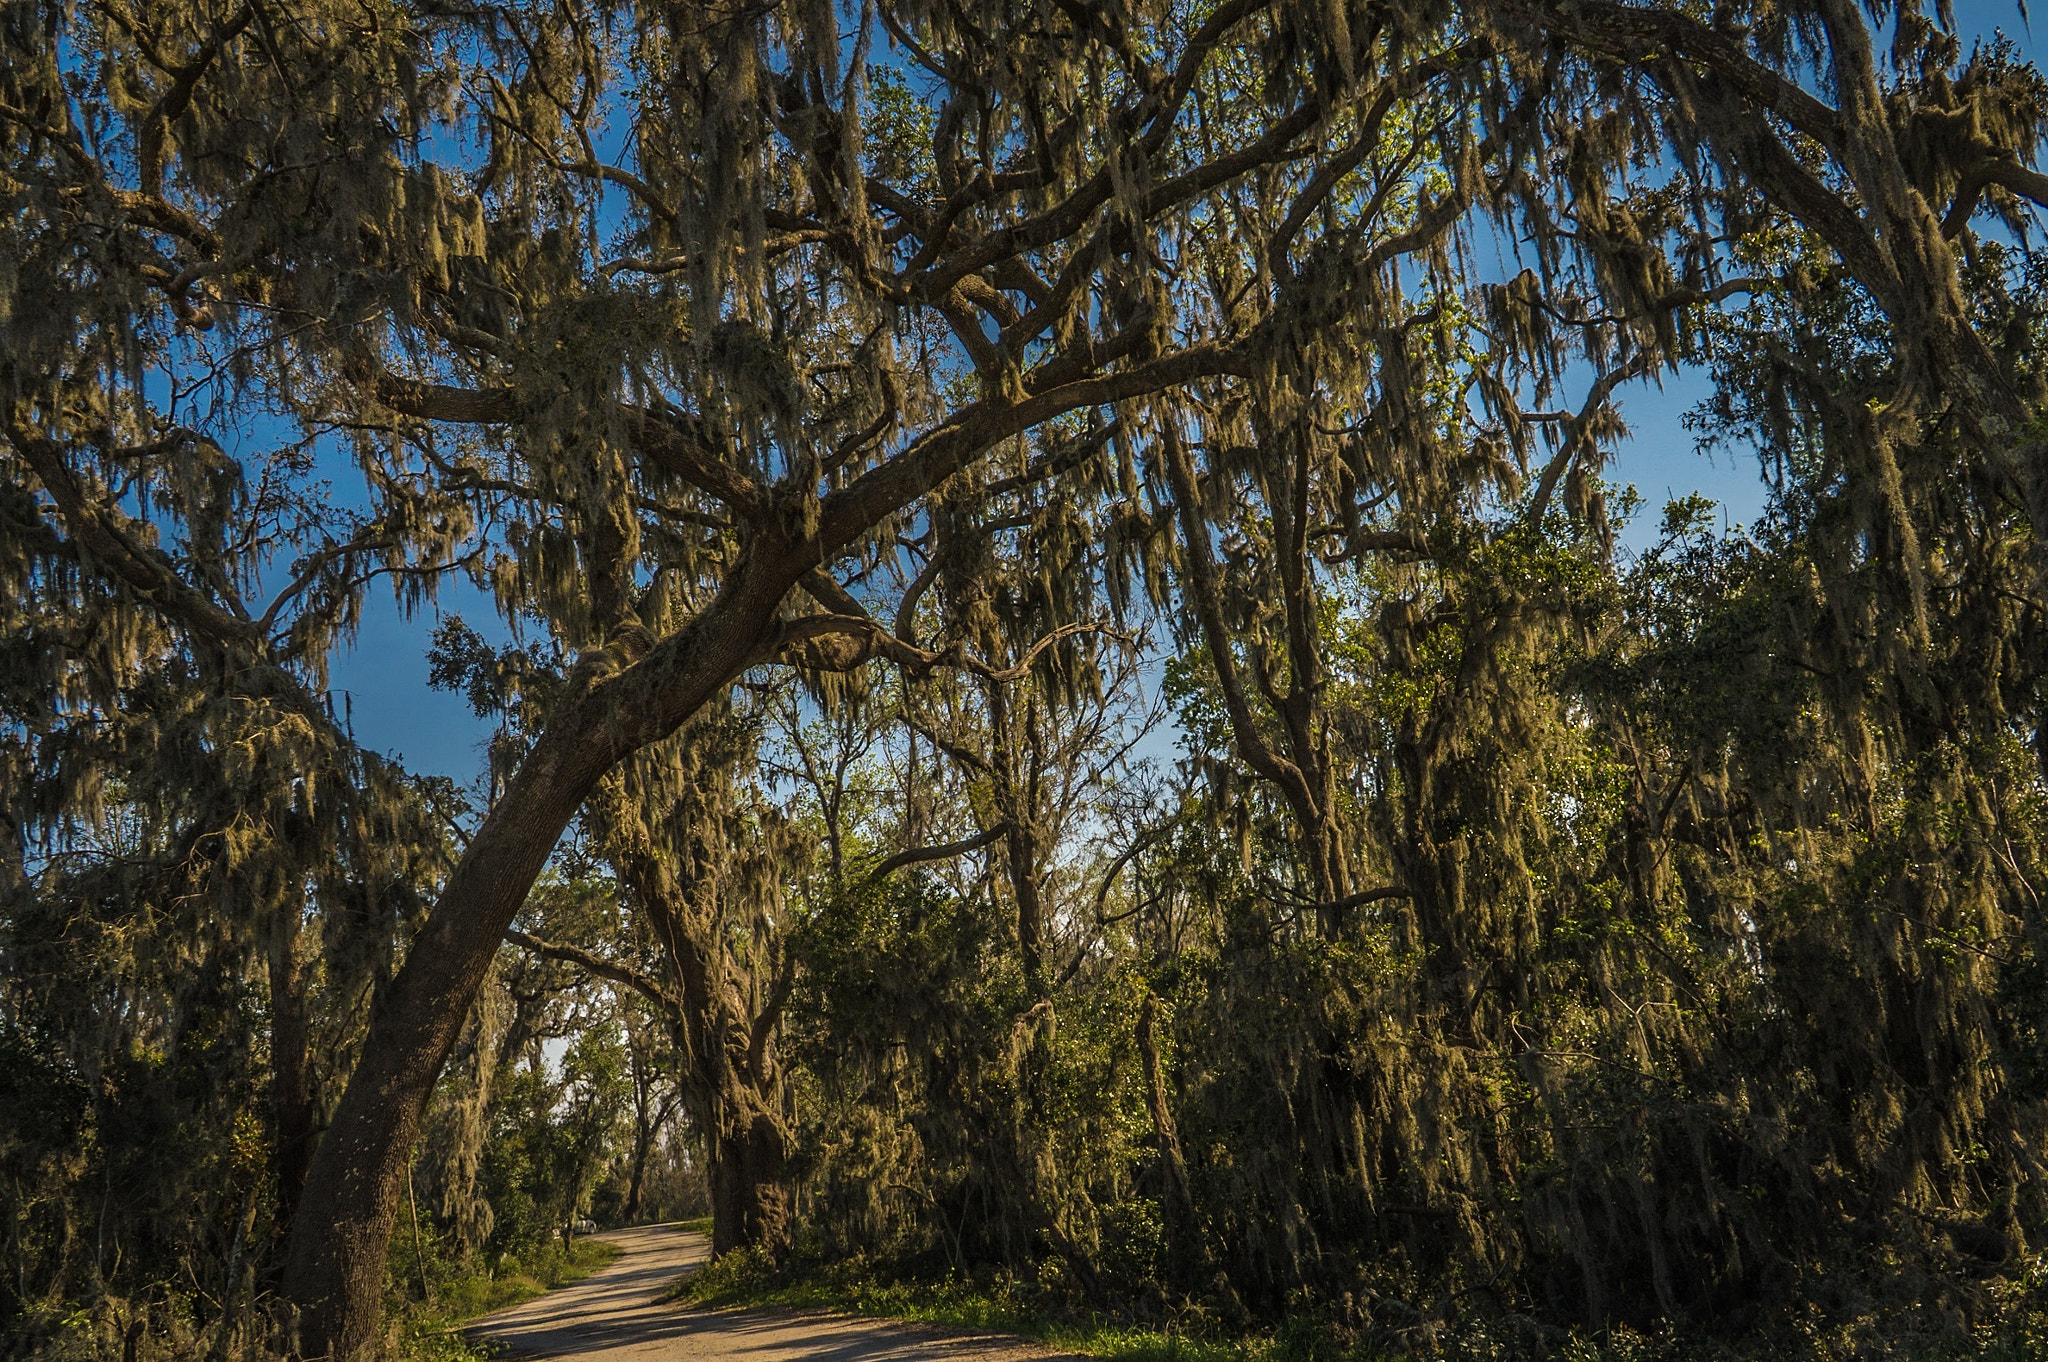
<point>629,697</point>
<point>334,1267</point>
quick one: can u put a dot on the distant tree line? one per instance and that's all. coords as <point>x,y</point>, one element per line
<point>1066,698</point>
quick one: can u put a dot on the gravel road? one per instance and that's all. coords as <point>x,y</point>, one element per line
<point>617,1314</point>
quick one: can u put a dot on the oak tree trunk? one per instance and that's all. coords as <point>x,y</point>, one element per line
<point>750,1186</point>
<point>334,1265</point>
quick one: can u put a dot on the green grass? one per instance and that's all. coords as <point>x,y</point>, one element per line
<point>432,1331</point>
<point>745,1280</point>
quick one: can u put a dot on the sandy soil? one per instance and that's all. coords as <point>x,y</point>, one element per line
<point>617,1314</point>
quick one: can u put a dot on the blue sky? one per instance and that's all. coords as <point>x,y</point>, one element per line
<point>384,674</point>
<point>1662,461</point>
<point>1661,458</point>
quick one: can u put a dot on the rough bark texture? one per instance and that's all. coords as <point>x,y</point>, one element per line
<point>750,1196</point>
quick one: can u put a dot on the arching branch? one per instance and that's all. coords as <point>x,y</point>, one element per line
<point>612,970</point>
<point>920,855</point>
<point>844,643</point>
<point>112,539</point>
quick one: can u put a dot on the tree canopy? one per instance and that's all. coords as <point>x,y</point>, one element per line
<point>882,429</point>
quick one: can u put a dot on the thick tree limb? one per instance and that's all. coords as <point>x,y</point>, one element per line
<point>1997,170</point>
<point>445,402</point>
<point>841,643</point>
<point>906,609</point>
<point>1403,544</point>
<point>1363,897</point>
<point>920,855</point>
<point>1634,33</point>
<point>1124,858</point>
<point>942,452</point>
<point>823,588</point>
<point>1576,441</point>
<point>676,444</point>
<point>1203,587</point>
<point>109,537</point>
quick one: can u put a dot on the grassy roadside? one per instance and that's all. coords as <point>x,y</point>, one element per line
<point>431,1331</point>
<point>746,1280</point>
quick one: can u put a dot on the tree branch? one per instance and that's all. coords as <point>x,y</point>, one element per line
<point>807,642</point>
<point>919,855</point>
<point>614,971</point>
<point>107,536</point>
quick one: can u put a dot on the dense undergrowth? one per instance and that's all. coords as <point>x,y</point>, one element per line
<point>430,1297</point>
<point>1049,1312</point>
<point>429,1326</point>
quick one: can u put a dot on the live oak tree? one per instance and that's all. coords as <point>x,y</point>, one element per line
<point>175,775</point>
<point>676,432</point>
<point>701,337</point>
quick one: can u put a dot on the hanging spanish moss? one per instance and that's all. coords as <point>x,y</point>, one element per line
<point>1079,708</point>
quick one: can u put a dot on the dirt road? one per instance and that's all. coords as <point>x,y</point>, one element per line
<point>617,1314</point>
